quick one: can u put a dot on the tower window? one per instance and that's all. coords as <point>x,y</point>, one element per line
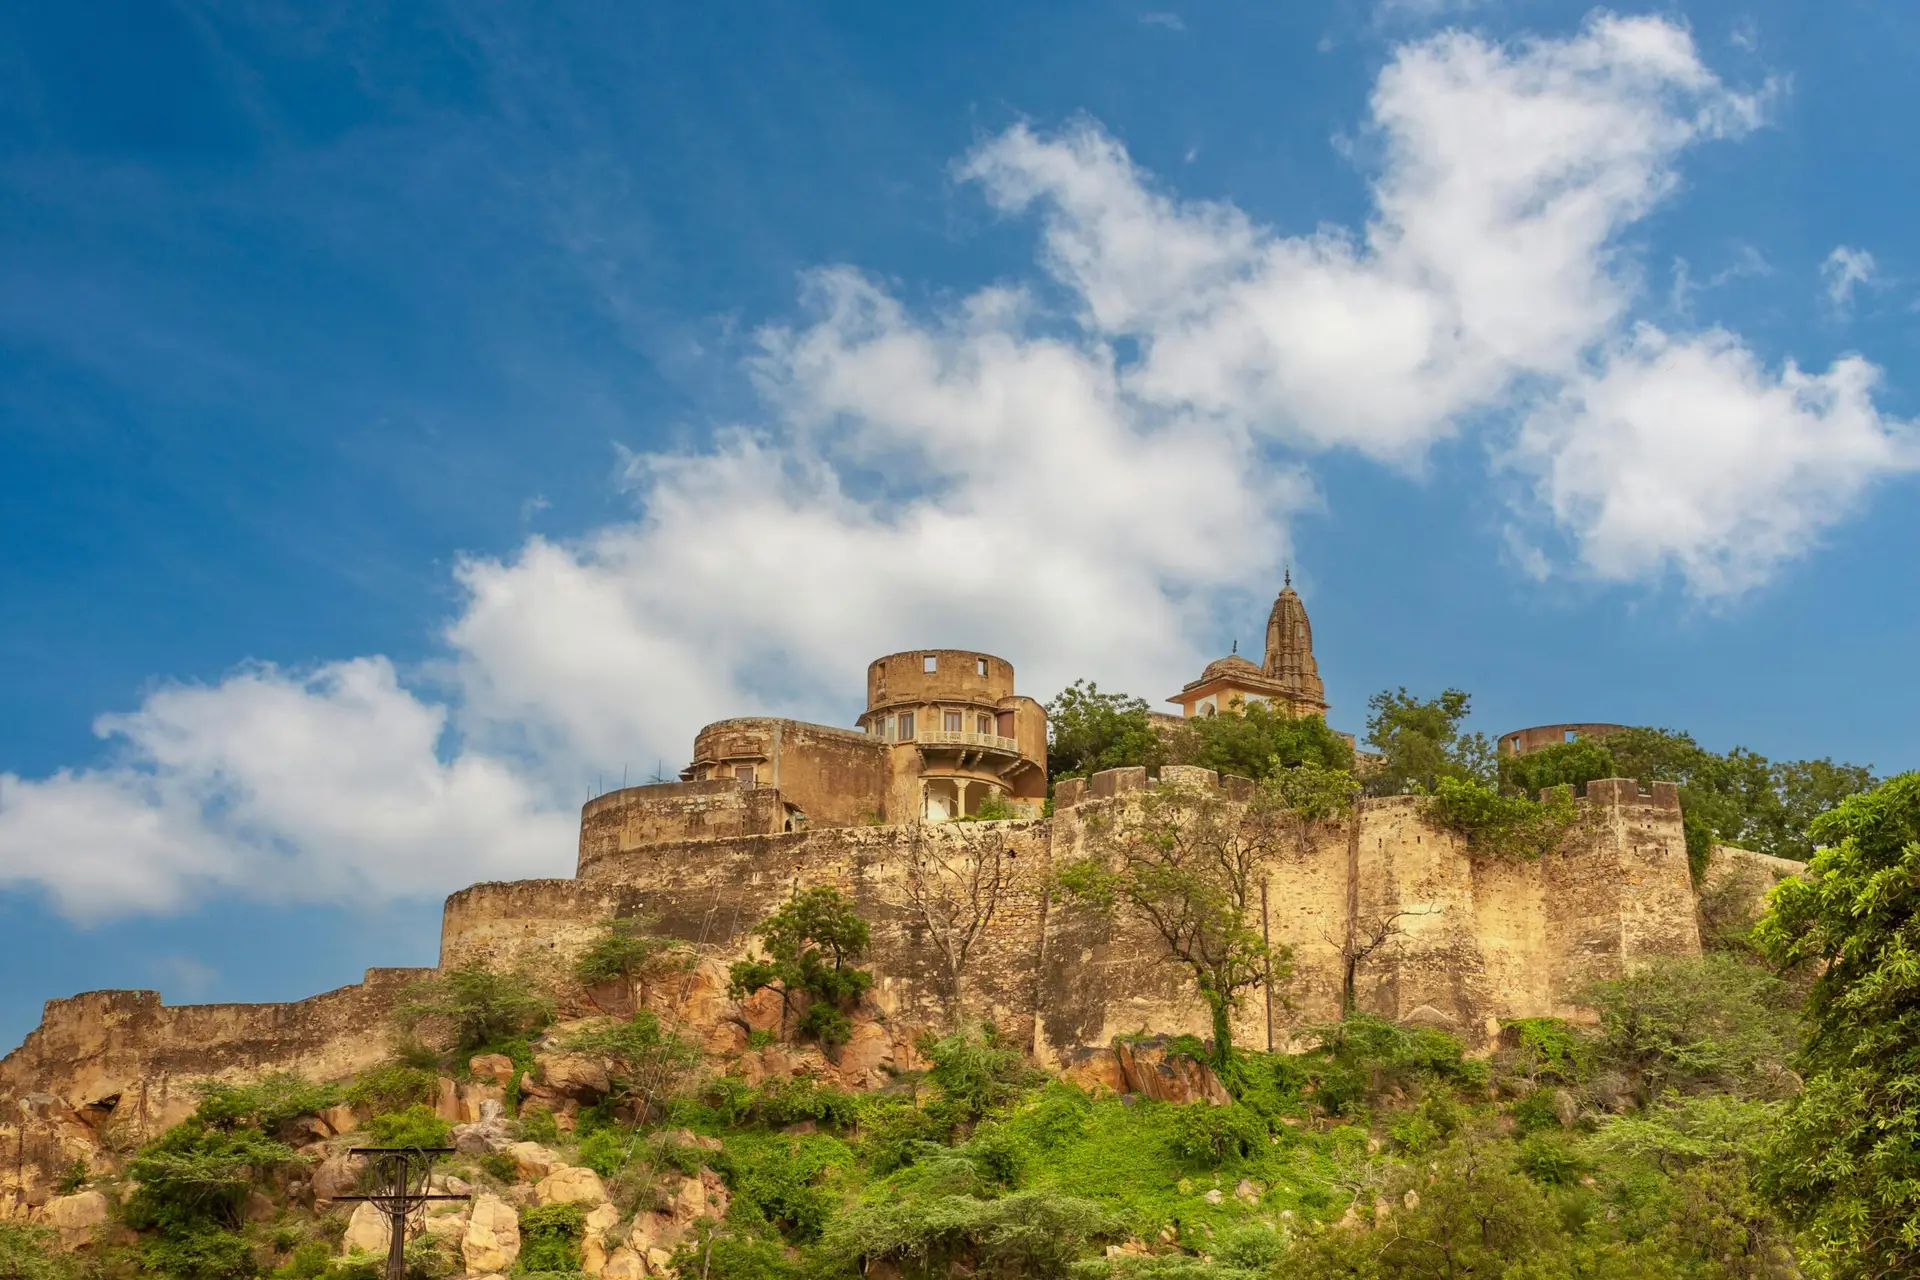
<point>931,662</point>
<point>980,666</point>
<point>743,772</point>
<point>953,722</point>
<point>906,726</point>
<point>983,724</point>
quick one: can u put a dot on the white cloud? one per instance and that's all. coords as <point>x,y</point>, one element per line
<point>998,474</point>
<point>1508,175</point>
<point>1685,454</point>
<point>324,787</point>
<point>1171,21</point>
<point>1844,269</point>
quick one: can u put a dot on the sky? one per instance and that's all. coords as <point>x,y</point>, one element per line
<point>415,419</point>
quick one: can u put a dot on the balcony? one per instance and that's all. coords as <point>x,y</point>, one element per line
<point>988,742</point>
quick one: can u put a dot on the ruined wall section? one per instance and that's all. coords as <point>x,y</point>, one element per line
<point>125,1062</point>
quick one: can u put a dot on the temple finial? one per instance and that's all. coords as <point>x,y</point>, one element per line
<point>1289,575</point>
<point>1236,644</point>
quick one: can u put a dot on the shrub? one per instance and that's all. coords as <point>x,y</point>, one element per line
<point>27,1253</point>
<point>550,1237</point>
<point>192,1176</point>
<point>1364,1055</point>
<point>782,1183</point>
<point>976,1070</point>
<point>200,1251</point>
<point>267,1104</point>
<point>309,1261</point>
<point>647,1064</point>
<point>499,1166</point>
<point>473,1005</point>
<point>1546,1049</point>
<point>1027,1234</point>
<point>607,1151</point>
<point>417,1126</point>
<point>1214,1136</point>
<point>1693,1024</point>
<point>629,949</point>
<point>538,1125</point>
<point>1505,826</point>
<point>72,1178</point>
<point>1550,1158</point>
<point>394,1087</point>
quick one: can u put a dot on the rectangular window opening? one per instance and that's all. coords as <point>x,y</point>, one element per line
<point>953,722</point>
<point>983,724</point>
<point>980,666</point>
<point>743,772</point>
<point>931,662</point>
<point>1568,736</point>
<point>906,726</point>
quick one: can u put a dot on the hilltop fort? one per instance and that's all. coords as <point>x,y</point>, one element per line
<point>1381,909</point>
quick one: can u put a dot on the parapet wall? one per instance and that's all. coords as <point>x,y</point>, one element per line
<point>635,817</point>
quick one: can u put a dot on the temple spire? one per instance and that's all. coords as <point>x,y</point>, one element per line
<point>1289,658</point>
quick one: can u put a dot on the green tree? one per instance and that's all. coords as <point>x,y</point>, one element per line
<point>1564,764</point>
<point>28,1253</point>
<point>473,1005</point>
<point>1088,731</point>
<point>810,945</point>
<point>1696,1024</point>
<point>1255,741</point>
<point>1422,742</point>
<point>1187,862</point>
<point>629,950</point>
<point>1847,1163</point>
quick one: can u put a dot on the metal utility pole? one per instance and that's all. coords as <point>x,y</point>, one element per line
<point>401,1177</point>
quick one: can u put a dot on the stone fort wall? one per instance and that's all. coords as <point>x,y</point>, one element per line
<point>1469,940</point>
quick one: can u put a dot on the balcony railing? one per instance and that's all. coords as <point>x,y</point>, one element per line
<point>977,741</point>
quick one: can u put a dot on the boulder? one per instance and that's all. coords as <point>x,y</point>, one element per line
<point>1152,1070</point>
<point>568,1184</point>
<point>867,1049</point>
<point>624,1264</point>
<point>594,1251</point>
<point>76,1217</point>
<point>574,1076</point>
<point>479,1097</point>
<point>485,1134</point>
<point>533,1160</point>
<point>446,1100</point>
<point>336,1176</point>
<point>688,1138</point>
<point>340,1119</point>
<point>491,1068</point>
<point>1095,1070</point>
<point>492,1241</point>
<point>367,1230</point>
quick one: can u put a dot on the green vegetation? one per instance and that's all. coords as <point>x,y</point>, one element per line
<point>417,1126</point>
<point>1187,863</point>
<point>1257,742</point>
<point>810,943</point>
<point>1847,1164</point>
<point>550,1238</point>
<point>473,1006</point>
<point>1504,826</point>
<point>1739,798</point>
<point>1421,742</point>
<point>628,949</point>
<point>646,1064</point>
<point>27,1253</point>
<point>1088,731</point>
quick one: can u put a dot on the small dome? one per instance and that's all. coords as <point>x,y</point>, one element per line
<point>1234,665</point>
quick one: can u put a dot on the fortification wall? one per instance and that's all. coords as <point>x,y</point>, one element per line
<point>635,817</point>
<point>122,1061</point>
<point>835,777</point>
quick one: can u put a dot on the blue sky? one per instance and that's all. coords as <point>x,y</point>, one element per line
<point>410,418</point>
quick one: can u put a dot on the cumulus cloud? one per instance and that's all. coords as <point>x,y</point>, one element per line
<point>1687,455</point>
<point>280,787</point>
<point>1843,271</point>
<point>1075,472</point>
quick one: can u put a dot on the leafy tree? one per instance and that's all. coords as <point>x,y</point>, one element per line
<point>1848,1158</point>
<point>1088,731</point>
<point>1255,741</point>
<point>474,1005</point>
<point>1422,742</point>
<point>1564,764</point>
<point>647,1065</point>
<point>267,1104</point>
<point>1695,1024</point>
<point>1187,863</point>
<point>976,1070</point>
<point>628,949</point>
<point>811,943</point>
